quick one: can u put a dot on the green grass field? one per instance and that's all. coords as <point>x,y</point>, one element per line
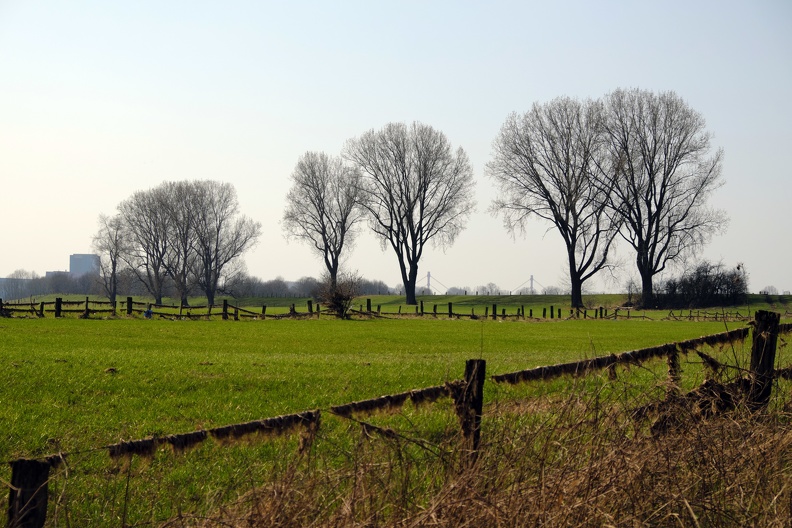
<point>72,385</point>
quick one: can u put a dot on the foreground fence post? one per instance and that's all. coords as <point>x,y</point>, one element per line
<point>27,500</point>
<point>225,310</point>
<point>473,401</point>
<point>763,352</point>
<point>129,306</point>
<point>58,306</point>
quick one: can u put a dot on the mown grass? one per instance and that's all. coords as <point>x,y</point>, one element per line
<point>72,385</point>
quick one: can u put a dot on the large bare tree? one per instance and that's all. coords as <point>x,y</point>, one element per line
<point>178,201</point>
<point>222,233</point>
<point>322,207</point>
<point>111,242</point>
<point>548,163</point>
<point>666,175</point>
<point>149,225</point>
<point>415,189</point>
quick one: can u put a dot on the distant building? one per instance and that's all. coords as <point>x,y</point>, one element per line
<point>81,264</point>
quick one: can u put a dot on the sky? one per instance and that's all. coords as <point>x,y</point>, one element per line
<point>101,99</point>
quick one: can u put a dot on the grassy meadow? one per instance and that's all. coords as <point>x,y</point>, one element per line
<point>72,385</point>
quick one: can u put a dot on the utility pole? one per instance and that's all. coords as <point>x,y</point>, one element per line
<point>532,290</point>
<point>429,281</point>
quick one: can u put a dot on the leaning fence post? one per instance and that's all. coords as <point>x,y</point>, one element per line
<point>674,372</point>
<point>475,372</point>
<point>27,500</point>
<point>763,352</point>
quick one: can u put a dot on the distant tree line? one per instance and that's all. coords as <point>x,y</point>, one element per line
<point>705,285</point>
<point>634,165</point>
<point>186,235</point>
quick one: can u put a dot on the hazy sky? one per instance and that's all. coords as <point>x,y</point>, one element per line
<point>100,99</point>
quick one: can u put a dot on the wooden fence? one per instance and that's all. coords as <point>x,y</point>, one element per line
<point>28,496</point>
<point>87,308</point>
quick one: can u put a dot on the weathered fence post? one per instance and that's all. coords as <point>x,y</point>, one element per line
<point>422,310</point>
<point>27,500</point>
<point>763,352</point>
<point>129,306</point>
<point>87,312</point>
<point>434,310</point>
<point>450,311</point>
<point>310,306</point>
<point>552,312</point>
<point>41,309</point>
<point>368,305</point>
<point>58,306</point>
<point>475,372</point>
<point>674,373</point>
<point>236,313</point>
<point>263,311</point>
<point>494,312</point>
<point>530,313</point>
<point>486,312</point>
<point>544,313</point>
<point>225,309</point>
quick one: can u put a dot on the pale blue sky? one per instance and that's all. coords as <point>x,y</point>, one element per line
<point>100,99</point>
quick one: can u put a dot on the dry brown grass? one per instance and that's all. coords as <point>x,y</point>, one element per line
<point>580,460</point>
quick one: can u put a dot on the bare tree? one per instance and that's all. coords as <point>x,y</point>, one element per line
<point>222,234</point>
<point>111,243</point>
<point>547,163</point>
<point>414,188</point>
<point>666,174</point>
<point>322,207</point>
<point>178,201</point>
<point>148,225</point>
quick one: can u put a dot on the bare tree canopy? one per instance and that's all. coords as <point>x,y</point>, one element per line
<point>222,234</point>
<point>547,163</point>
<point>111,243</point>
<point>178,201</point>
<point>414,188</point>
<point>148,225</point>
<point>665,175</point>
<point>322,207</point>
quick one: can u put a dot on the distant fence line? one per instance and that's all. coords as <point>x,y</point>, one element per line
<point>28,488</point>
<point>87,307</point>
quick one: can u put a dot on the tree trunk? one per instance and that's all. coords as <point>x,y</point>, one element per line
<point>647,292</point>
<point>577,292</point>
<point>409,285</point>
<point>574,279</point>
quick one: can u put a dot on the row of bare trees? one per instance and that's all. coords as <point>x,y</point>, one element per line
<point>634,165</point>
<point>406,180</point>
<point>186,233</point>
